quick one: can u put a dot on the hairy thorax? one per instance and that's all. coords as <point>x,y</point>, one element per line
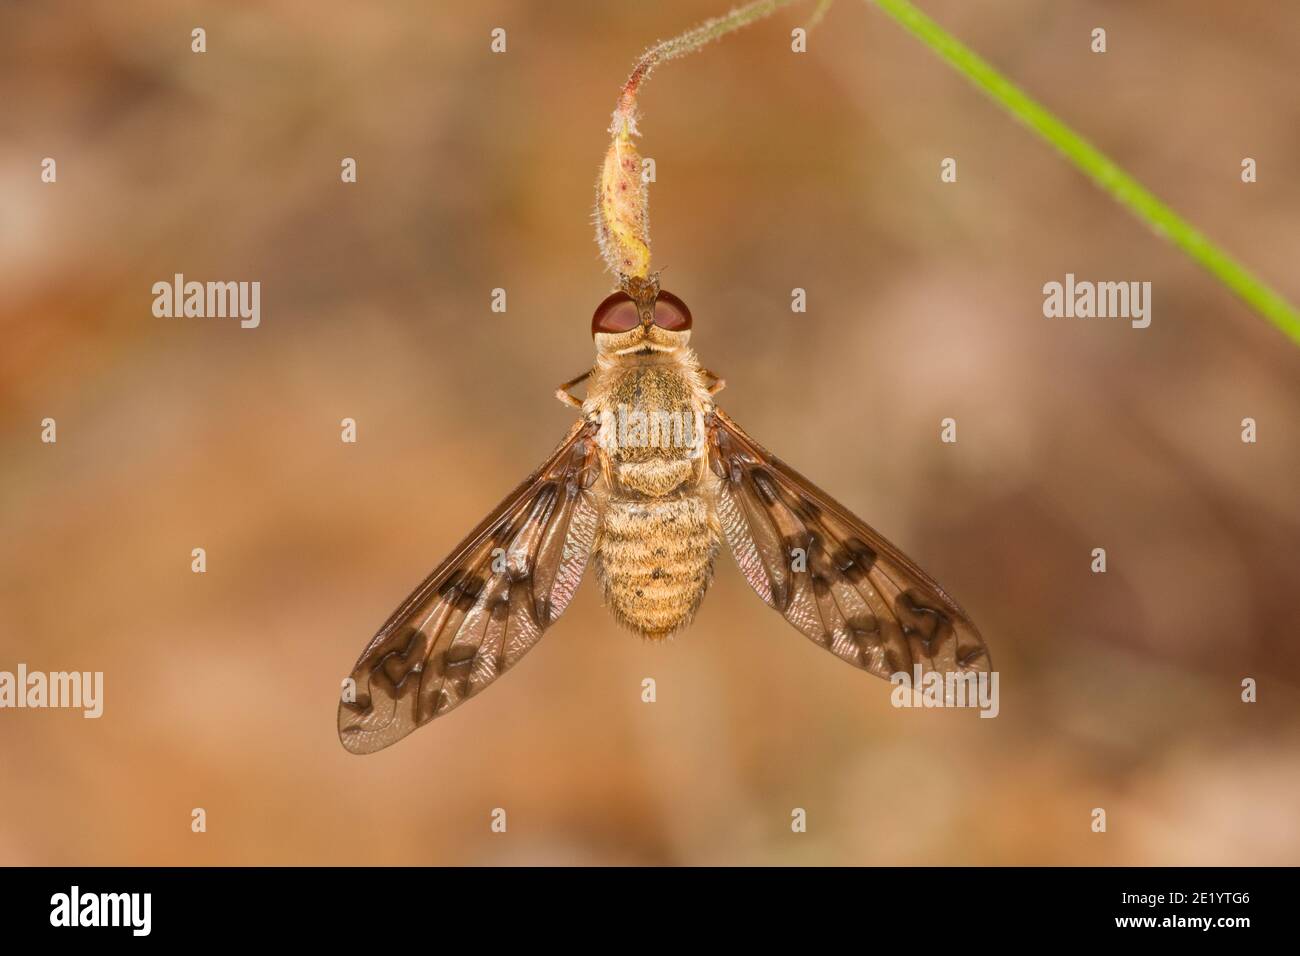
<point>655,555</point>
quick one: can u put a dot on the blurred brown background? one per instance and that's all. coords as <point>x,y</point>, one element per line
<point>775,170</point>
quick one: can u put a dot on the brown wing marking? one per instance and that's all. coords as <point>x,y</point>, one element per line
<point>832,576</point>
<point>484,606</point>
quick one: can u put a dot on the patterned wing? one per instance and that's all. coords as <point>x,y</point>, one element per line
<point>832,576</point>
<point>483,607</point>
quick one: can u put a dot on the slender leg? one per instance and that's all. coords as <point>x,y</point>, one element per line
<point>562,393</point>
<point>718,384</point>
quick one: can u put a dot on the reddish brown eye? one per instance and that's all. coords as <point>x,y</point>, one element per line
<point>616,314</point>
<point>671,313</point>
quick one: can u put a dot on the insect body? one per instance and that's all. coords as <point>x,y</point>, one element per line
<point>648,485</point>
<point>654,553</point>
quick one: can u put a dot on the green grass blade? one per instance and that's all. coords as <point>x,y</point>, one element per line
<point>1091,161</point>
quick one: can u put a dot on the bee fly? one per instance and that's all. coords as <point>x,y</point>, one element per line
<point>647,485</point>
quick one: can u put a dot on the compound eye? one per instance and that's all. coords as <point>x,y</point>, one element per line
<point>616,314</point>
<point>671,313</point>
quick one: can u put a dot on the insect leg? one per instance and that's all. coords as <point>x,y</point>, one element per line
<point>563,394</point>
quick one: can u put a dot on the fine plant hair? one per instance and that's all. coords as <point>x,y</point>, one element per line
<point>682,44</point>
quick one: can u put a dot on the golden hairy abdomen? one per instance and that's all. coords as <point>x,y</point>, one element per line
<point>654,554</point>
<point>655,561</point>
